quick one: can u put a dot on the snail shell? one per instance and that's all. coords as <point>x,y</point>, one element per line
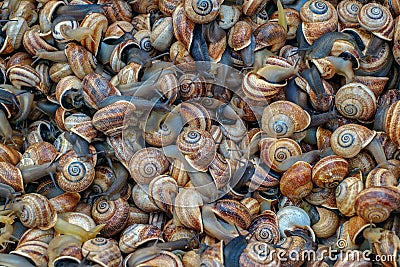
<point>102,251</point>
<point>65,202</point>
<point>9,154</point>
<point>283,118</point>
<point>81,61</point>
<point>291,216</point>
<point>346,193</point>
<point>38,153</point>
<point>270,34</point>
<point>141,198</point>
<point>274,151</point>
<point>229,16</point>
<point>377,19</point>
<point>34,250</point>
<point>76,174</point>
<point>356,101</point>
<point>380,177</point>
<point>96,88</point>
<point>259,254</point>
<point>163,190</point>
<point>35,210</point>
<point>146,164</point>
<point>329,171</point>
<point>136,235</point>
<point>11,175</point>
<point>387,246</point>
<point>187,208</point>
<point>349,139</point>
<point>81,125</point>
<point>203,11</point>
<point>97,22</point>
<point>117,10</point>
<point>375,204</point>
<point>113,213</point>
<point>196,116</point>
<point>68,93</point>
<point>264,227</point>
<point>293,21</point>
<point>162,34</point>
<point>25,75</point>
<point>296,182</point>
<point>167,7</point>
<point>199,148</point>
<point>183,27</point>
<point>392,122</point>
<point>165,258</point>
<point>239,36</point>
<point>347,11</point>
<point>256,88</point>
<point>110,119</point>
<point>191,86</point>
<point>327,225</point>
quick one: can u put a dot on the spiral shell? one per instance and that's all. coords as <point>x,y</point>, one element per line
<point>201,11</point>
<point>270,34</point>
<point>264,227</point>
<point>96,88</point>
<point>327,225</point>
<point>375,204</point>
<point>102,251</point>
<point>329,171</point>
<point>377,19</point>
<point>356,101</point>
<point>239,36</point>
<point>81,61</point>
<point>81,125</point>
<point>187,208</point>
<point>199,148</point>
<point>392,122</point>
<point>259,254</point>
<point>347,11</point>
<point>97,22</point>
<point>296,182</point>
<point>274,151</point>
<point>191,86</point>
<point>318,17</point>
<point>256,88</point>
<point>380,177</point>
<point>349,139</point>
<point>346,193</point>
<point>38,153</point>
<point>283,118</point>
<point>35,210</point>
<point>196,116</point>
<point>291,216</point>
<point>146,164</point>
<point>163,190</point>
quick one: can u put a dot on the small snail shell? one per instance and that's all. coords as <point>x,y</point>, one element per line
<point>162,34</point>
<point>274,151</point>
<point>318,195</point>
<point>33,42</point>
<point>346,193</point>
<point>96,88</point>
<point>165,258</point>
<point>12,176</point>
<point>293,21</point>
<point>35,210</point>
<point>75,174</point>
<point>256,88</point>
<point>329,171</point>
<point>38,153</point>
<point>118,10</point>
<point>25,75</point>
<point>377,19</point>
<point>221,171</point>
<point>199,148</point>
<point>98,23</point>
<point>349,139</point>
<point>392,122</point>
<point>376,203</point>
<point>259,254</point>
<point>229,15</point>
<point>64,248</point>
<point>356,101</point>
<point>81,125</point>
<point>327,225</point>
<point>110,119</point>
<point>136,235</point>
<point>347,11</point>
<point>318,17</point>
<point>9,154</point>
<point>81,61</point>
<point>191,86</point>
<point>252,204</point>
<point>196,116</point>
<point>264,227</point>
<point>380,177</point>
<point>183,27</point>
<point>102,251</point>
<point>270,34</point>
<point>239,36</point>
<point>34,250</point>
<point>146,164</point>
<point>387,246</point>
<point>59,70</point>
<point>291,216</point>
<point>113,213</point>
<point>68,93</point>
<point>167,7</point>
<point>163,190</point>
<point>363,161</point>
<point>178,172</point>
<point>187,209</point>
<point>202,12</point>
<point>262,180</point>
<point>141,198</point>
<point>65,202</point>
<point>283,118</point>
<point>296,182</point>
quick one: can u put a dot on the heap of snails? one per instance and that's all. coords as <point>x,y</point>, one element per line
<point>199,133</point>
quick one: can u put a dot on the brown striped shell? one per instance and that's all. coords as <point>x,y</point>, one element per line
<point>296,182</point>
<point>377,19</point>
<point>136,235</point>
<point>264,227</point>
<point>103,251</point>
<point>98,22</point>
<point>346,193</point>
<point>96,88</point>
<point>329,171</point>
<point>380,177</point>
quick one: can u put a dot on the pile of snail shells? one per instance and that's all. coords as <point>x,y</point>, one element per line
<point>199,133</point>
